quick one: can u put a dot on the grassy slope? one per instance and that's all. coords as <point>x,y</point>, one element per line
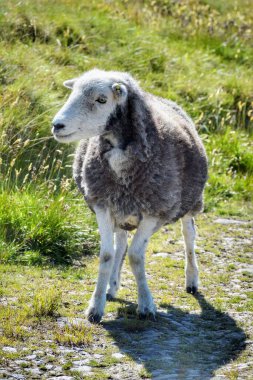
<point>197,53</point>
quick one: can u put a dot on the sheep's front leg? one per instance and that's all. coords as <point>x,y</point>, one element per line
<point>191,267</point>
<point>120,252</point>
<point>146,306</point>
<point>97,303</point>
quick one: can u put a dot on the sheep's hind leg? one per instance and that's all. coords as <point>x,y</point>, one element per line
<point>120,252</point>
<point>191,267</point>
<point>146,307</point>
<point>97,303</point>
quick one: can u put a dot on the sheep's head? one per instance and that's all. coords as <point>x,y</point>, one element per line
<point>94,97</point>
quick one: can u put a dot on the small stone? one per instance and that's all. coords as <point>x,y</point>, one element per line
<point>242,366</point>
<point>161,254</point>
<point>18,376</point>
<point>31,357</point>
<point>49,366</point>
<point>61,378</point>
<point>58,369</point>
<point>9,349</point>
<point>62,321</point>
<point>66,350</point>
<point>79,321</point>
<point>246,268</point>
<point>98,356</point>
<point>118,355</point>
<point>39,362</point>
<point>78,363</point>
<point>38,352</point>
<point>21,362</point>
<point>229,221</point>
<point>35,371</point>
<point>82,369</point>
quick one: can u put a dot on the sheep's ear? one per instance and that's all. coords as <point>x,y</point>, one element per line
<point>119,91</point>
<point>69,83</point>
<point>141,120</point>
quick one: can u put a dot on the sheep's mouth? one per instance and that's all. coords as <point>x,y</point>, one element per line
<point>61,137</point>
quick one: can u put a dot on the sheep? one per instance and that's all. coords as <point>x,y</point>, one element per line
<point>140,164</point>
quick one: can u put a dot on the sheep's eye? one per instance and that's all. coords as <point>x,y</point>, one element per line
<point>101,100</point>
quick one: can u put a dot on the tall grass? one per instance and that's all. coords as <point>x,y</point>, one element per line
<point>39,228</point>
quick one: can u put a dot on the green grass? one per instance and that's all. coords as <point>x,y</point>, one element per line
<point>39,228</point>
<point>46,302</point>
<point>74,334</point>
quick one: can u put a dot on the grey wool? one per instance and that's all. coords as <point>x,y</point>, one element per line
<point>140,164</point>
<point>164,169</point>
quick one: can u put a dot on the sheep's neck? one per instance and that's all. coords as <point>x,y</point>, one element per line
<point>112,139</point>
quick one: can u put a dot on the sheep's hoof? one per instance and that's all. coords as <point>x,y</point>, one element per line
<point>147,316</point>
<point>192,289</point>
<point>109,297</point>
<point>93,317</point>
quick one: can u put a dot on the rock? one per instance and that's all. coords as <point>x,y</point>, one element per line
<point>38,352</point>
<point>58,369</point>
<point>9,349</point>
<point>35,371</point>
<point>66,350</point>
<point>79,363</point>
<point>161,254</point>
<point>61,378</point>
<point>31,357</point>
<point>242,366</point>
<point>22,362</point>
<point>49,366</point>
<point>118,355</point>
<point>82,369</point>
<point>246,268</point>
<point>98,356</point>
<point>18,376</point>
<point>63,321</point>
<point>229,221</point>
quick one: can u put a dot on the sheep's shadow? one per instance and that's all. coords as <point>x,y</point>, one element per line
<point>179,345</point>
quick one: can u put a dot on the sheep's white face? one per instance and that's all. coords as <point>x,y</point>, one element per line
<point>94,97</point>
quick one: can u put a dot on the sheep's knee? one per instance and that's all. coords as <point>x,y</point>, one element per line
<point>146,307</point>
<point>106,261</point>
<point>134,258</point>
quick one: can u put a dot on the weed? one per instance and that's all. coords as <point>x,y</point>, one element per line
<point>75,334</point>
<point>46,302</point>
<point>67,365</point>
<point>145,374</point>
<point>14,325</point>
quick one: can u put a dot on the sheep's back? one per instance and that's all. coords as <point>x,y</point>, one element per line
<point>168,185</point>
<point>182,150</point>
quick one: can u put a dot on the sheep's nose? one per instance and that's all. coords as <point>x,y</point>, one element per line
<point>57,127</point>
